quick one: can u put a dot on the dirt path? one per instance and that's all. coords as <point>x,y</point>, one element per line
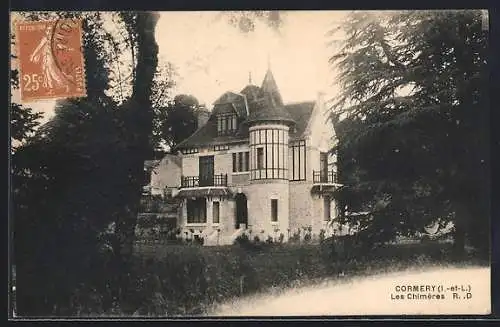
<point>372,296</point>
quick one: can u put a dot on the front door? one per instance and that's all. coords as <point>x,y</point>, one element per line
<point>323,167</point>
<point>206,171</point>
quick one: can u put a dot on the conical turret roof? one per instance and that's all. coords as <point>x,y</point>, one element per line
<point>270,87</point>
<point>270,105</point>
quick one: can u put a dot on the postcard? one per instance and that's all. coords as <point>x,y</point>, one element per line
<point>241,164</point>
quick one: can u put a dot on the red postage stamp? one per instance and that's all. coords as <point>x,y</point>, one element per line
<point>51,63</point>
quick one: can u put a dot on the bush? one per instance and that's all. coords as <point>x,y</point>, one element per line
<point>242,240</point>
<point>184,280</point>
<point>199,240</point>
<point>295,238</point>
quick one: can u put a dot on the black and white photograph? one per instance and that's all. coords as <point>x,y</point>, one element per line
<point>232,164</point>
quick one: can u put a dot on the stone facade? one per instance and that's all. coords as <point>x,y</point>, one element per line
<point>265,175</point>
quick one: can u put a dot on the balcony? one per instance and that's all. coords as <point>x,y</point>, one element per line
<point>324,177</point>
<point>325,183</point>
<point>196,181</point>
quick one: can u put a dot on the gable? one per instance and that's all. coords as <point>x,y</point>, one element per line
<point>301,113</point>
<point>207,135</point>
<point>320,129</point>
<point>237,100</point>
<point>252,92</point>
<point>223,108</point>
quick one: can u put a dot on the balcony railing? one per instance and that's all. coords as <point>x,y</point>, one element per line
<point>196,181</point>
<point>327,177</point>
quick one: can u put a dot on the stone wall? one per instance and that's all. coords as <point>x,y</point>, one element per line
<point>225,226</point>
<point>259,195</point>
<point>166,174</point>
<point>301,205</point>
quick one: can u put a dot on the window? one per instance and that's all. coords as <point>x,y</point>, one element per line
<point>327,209</point>
<point>226,124</point>
<point>269,152</point>
<point>215,212</point>
<point>260,158</point>
<point>240,161</point>
<point>274,210</point>
<point>298,169</point>
<point>196,211</point>
<point>190,151</point>
<point>221,147</point>
<point>206,169</point>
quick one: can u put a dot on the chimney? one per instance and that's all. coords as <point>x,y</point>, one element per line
<point>203,115</point>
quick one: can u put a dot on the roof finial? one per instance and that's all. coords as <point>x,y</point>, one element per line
<point>250,78</point>
<point>268,61</point>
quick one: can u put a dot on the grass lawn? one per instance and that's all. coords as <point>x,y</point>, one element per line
<point>191,279</point>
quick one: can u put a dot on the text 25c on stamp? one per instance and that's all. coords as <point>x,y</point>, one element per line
<point>51,63</point>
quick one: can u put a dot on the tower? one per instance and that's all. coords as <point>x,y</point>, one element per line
<point>269,124</point>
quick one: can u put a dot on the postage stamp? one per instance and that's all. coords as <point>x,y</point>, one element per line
<point>51,63</point>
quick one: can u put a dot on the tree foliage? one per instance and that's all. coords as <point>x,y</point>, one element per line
<point>177,120</point>
<point>246,21</point>
<point>82,172</point>
<point>412,119</point>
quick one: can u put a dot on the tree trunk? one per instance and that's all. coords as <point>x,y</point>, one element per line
<point>138,130</point>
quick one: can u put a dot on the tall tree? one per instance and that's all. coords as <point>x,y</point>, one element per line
<point>51,215</point>
<point>82,172</point>
<point>138,126</point>
<point>414,104</point>
<point>178,119</point>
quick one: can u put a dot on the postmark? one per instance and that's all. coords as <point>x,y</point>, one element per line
<point>51,62</point>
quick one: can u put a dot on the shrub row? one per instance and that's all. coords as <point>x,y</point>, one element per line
<point>184,280</point>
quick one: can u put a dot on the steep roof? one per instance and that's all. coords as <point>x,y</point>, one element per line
<point>301,113</point>
<point>252,92</point>
<point>267,110</point>
<point>270,87</point>
<point>207,135</point>
<point>252,104</point>
<point>238,101</point>
<point>150,164</point>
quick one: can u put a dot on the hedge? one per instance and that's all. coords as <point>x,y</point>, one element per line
<point>180,280</point>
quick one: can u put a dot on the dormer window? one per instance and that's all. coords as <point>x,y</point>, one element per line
<point>226,124</point>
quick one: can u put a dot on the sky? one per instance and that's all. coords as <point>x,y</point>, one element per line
<point>212,57</point>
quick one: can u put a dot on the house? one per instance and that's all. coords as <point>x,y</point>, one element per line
<point>162,175</point>
<point>259,166</point>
